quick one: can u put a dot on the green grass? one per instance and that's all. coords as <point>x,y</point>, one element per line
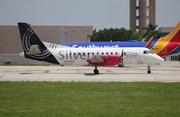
<point>89,99</point>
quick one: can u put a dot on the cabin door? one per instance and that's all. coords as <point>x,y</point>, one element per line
<point>129,59</point>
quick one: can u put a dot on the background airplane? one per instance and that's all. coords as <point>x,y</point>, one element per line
<point>35,49</point>
<point>163,46</point>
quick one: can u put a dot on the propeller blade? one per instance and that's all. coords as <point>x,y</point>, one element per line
<point>122,53</point>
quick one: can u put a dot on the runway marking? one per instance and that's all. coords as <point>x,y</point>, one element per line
<point>136,69</point>
<point>46,71</point>
<point>142,69</point>
<point>108,70</point>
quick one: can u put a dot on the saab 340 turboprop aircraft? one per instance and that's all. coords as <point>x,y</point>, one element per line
<point>35,49</point>
<point>163,46</point>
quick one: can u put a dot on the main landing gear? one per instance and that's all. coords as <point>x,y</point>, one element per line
<point>121,65</point>
<point>149,69</point>
<point>96,71</point>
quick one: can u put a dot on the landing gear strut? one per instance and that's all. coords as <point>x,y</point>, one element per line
<point>96,71</point>
<point>149,69</point>
<point>121,65</point>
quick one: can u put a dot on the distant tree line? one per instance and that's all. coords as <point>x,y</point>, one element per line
<point>121,34</point>
<point>114,34</point>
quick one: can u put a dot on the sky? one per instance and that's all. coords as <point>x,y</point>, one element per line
<point>97,13</point>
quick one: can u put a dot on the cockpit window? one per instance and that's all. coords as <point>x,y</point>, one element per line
<point>148,52</point>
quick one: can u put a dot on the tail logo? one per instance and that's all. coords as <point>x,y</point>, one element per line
<point>27,45</point>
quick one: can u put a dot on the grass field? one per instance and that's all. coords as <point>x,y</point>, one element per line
<point>89,99</point>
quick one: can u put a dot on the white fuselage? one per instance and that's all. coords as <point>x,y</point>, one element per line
<point>79,56</point>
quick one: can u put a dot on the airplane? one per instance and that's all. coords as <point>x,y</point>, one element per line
<point>35,49</point>
<point>163,46</point>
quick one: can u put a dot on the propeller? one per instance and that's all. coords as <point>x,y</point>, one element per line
<point>122,55</point>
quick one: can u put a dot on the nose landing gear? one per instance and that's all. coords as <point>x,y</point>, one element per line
<point>149,69</point>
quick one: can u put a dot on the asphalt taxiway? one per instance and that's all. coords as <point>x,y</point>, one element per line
<point>166,72</point>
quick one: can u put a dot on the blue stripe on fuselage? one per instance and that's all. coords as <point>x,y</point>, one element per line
<point>108,44</point>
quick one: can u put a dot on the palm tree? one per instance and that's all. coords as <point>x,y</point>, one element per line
<point>151,31</point>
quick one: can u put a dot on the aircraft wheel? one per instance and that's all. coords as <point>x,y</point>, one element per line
<point>149,71</point>
<point>121,65</point>
<point>96,71</point>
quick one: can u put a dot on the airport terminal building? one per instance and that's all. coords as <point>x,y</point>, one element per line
<point>11,46</point>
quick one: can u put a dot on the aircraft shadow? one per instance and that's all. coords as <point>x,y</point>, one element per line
<point>86,74</point>
<point>89,74</point>
<point>92,74</point>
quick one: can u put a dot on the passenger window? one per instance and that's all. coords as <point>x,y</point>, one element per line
<point>106,52</point>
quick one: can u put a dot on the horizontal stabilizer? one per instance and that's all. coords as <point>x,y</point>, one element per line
<point>149,42</point>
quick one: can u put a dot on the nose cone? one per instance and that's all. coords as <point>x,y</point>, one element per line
<point>159,59</point>
<point>21,54</point>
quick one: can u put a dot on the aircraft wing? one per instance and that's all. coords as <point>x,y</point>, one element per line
<point>104,60</point>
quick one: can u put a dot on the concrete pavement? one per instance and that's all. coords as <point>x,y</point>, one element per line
<point>167,72</point>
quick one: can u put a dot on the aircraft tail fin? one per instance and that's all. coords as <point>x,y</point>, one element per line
<point>33,47</point>
<point>149,42</point>
<point>174,35</point>
<point>143,39</point>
